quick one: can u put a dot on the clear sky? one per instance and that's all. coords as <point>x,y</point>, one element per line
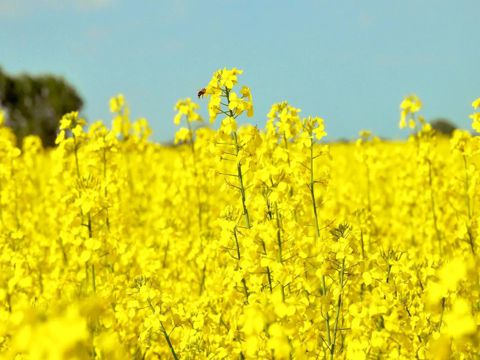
<point>350,61</point>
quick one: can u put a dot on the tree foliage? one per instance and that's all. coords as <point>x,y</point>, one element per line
<point>35,104</point>
<point>443,126</point>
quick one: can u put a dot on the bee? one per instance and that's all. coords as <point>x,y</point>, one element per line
<point>201,93</point>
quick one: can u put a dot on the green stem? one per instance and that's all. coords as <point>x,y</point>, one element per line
<point>269,217</point>
<point>327,317</point>
<point>202,282</point>
<point>339,307</point>
<point>279,235</point>
<point>242,192</point>
<point>471,239</point>
<point>241,183</point>
<point>239,166</point>
<point>245,289</point>
<point>362,243</point>
<point>237,245</point>
<point>167,338</point>
<point>312,188</point>
<point>269,276</point>
<point>441,314</point>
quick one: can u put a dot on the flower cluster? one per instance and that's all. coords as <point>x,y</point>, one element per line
<point>239,242</point>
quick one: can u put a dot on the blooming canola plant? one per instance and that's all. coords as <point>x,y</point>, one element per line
<point>241,242</point>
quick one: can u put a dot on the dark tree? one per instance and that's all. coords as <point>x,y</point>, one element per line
<point>35,104</point>
<point>443,126</point>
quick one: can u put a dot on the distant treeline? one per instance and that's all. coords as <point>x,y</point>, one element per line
<point>35,104</point>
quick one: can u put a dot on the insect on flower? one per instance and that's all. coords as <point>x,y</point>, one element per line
<point>201,93</point>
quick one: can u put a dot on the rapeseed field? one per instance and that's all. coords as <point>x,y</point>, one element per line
<point>243,242</point>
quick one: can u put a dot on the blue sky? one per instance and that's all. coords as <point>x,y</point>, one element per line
<point>350,62</point>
